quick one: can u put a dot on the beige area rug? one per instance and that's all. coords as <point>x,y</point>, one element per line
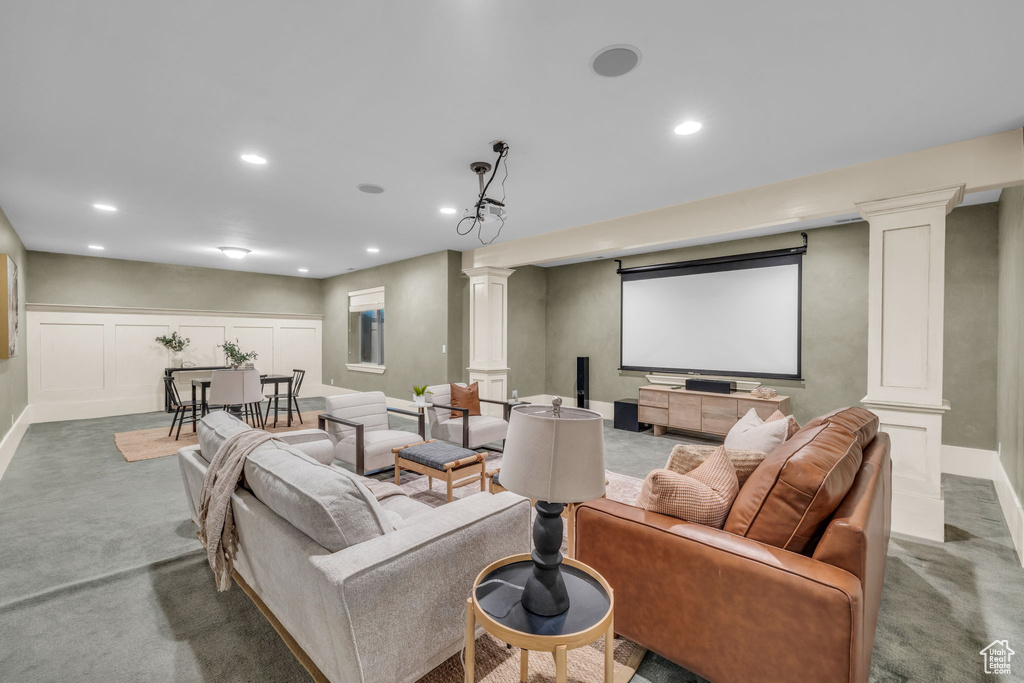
<point>146,444</point>
<point>496,663</point>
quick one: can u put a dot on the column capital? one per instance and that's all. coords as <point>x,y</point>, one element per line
<point>945,198</point>
<point>487,271</point>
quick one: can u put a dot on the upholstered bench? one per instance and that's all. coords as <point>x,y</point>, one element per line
<point>441,460</point>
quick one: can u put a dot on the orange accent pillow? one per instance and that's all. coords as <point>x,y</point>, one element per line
<point>792,427</point>
<point>466,397</point>
<point>703,495</point>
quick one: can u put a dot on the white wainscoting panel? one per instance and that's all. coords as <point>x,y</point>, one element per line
<point>95,362</point>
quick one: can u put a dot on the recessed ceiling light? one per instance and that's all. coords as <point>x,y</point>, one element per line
<point>96,247</point>
<point>234,252</point>
<point>615,60</point>
<point>447,210</point>
<point>254,159</point>
<point>688,127</point>
<point>104,207</point>
<point>303,270</point>
<point>372,250</point>
<point>370,188</point>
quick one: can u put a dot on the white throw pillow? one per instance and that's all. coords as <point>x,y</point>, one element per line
<point>754,434</point>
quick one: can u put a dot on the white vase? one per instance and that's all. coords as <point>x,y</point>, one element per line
<point>419,399</point>
<point>176,359</point>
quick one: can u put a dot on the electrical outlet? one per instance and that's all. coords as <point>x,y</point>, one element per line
<point>332,381</point>
<point>444,348</point>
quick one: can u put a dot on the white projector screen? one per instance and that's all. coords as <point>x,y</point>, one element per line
<point>740,317</point>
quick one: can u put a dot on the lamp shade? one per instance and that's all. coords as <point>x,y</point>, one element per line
<point>554,459</point>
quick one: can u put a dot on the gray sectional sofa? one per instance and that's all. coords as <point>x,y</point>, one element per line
<point>371,590</point>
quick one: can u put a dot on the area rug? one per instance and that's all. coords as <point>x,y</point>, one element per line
<point>146,444</point>
<point>496,663</point>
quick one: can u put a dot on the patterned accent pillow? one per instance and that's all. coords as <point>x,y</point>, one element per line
<point>702,496</point>
<point>687,457</point>
<point>466,397</point>
<point>794,426</point>
<point>752,433</point>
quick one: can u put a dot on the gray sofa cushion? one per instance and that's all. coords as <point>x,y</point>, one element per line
<point>215,429</point>
<point>326,503</point>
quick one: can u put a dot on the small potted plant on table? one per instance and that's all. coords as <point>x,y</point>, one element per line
<point>234,355</point>
<point>174,343</point>
<point>419,394</point>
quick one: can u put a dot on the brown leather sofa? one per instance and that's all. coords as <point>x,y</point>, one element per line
<point>788,590</point>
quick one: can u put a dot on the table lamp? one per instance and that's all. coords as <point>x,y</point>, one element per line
<point>553,455</point>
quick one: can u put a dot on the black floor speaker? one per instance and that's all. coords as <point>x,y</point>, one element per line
<point>583,381</point>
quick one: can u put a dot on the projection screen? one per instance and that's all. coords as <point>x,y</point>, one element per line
<point>737,317</point>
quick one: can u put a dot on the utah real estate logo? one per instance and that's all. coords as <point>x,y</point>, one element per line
<point>997,657</point>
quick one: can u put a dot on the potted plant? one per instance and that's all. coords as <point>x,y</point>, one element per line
<point>174,343</point>
<point>419,394</point>
<point>234,355</point>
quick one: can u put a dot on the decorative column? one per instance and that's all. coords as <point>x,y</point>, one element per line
<point>488,333</point>
<point>906,284</point>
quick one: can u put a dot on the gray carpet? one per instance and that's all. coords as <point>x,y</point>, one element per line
<point>102,578</point>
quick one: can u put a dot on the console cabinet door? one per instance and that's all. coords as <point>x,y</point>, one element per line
<point>684,412</point>
<point>764,409</point>
<point>718,415</point>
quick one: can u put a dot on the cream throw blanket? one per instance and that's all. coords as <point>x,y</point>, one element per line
<point>216,519</point>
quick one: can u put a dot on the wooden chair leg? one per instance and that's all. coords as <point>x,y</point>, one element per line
<point>297,412</point>
<point>180,423</point>
<point>173,420</point>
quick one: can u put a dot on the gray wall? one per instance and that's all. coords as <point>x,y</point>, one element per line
<point>14,371</point>
<point>582,319</point>
<point>971,323</point>
<point>1010,390</point>
<point>527,342</point>
<point>92,281</point>
<point>418,319</point>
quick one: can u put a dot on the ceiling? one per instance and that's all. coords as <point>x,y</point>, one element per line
<point>148,106</point>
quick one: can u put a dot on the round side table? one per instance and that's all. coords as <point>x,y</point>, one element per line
<point>495,604</point>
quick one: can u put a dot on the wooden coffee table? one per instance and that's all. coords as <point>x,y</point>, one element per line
<point>452,464</point>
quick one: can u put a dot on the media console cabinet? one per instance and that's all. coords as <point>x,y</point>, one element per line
<point>700,411</point>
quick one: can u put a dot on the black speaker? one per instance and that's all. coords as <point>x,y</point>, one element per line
<point>583,381</point>
<point>626,417</point>
<point>714,386</point>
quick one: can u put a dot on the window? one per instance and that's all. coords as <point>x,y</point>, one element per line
<point>371,337</point>
<point>366,330</point>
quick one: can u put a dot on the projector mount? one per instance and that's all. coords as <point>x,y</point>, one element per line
<point>486,210</point>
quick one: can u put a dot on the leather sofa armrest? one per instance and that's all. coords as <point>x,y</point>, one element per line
<point>691,593</point>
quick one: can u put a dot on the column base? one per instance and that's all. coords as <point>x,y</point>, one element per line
<point>919,516</point>
<point>493,386</point>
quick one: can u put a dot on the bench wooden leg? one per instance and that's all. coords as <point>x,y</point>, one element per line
<point>483,477</point>
<point>450,482</point>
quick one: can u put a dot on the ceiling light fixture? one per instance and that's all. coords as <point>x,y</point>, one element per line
<point>253,159</point>
<point>234,252</point>
<point>104,207</point>
<point>370,188</point>
<point>303,270</point>
<point>96,247</point>
<point>688,127</point>
<point>447,210</point>
<point>372,250</point>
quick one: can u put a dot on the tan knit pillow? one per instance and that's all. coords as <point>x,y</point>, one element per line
<point>686,457</point>
<point>793,426</point>
<point>703,495</point>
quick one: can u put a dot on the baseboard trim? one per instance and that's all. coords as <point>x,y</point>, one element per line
<point>9,444</point>
<point>984,464</point>
<point>919,516</point>
<point>969,462</point>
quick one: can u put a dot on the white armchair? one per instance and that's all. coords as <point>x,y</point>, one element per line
<point>358,425</point>
<point>453,424</point>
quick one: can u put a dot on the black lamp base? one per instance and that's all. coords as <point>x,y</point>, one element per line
<point>545,593</point>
